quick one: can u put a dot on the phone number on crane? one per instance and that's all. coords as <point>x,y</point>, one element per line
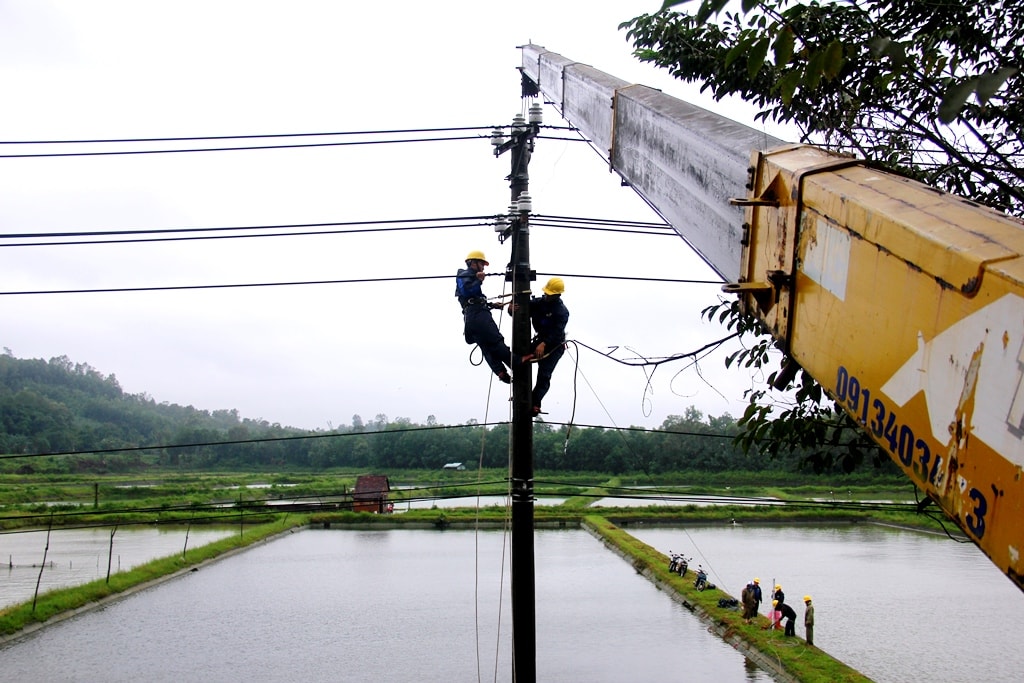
<point>900,439</point>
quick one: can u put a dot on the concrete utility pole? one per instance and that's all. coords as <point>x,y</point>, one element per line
<point>519,273</point>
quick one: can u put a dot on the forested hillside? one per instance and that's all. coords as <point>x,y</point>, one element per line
<point>59,406</point>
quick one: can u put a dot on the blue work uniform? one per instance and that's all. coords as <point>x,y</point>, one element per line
<point>549,317</point>
<point>479,327</point>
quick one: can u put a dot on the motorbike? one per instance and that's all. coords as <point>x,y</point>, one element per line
<point>701,582</point>
<point>678,563</point>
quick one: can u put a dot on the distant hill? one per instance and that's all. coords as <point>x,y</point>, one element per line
<point>59,406</point>
<point>60,416</point>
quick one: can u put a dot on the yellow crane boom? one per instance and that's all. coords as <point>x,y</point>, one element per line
<point>905,303</point>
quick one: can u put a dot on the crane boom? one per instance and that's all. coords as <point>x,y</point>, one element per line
<point>630,126</point>
<point>905,303</point>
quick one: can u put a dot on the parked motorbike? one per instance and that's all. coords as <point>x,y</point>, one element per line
<point>678,563</point>
<point>701,582</point>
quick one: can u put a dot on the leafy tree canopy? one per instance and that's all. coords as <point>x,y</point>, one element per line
<point>928,88</point>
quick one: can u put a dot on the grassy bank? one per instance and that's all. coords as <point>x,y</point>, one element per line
<point>793,656</point>
<point>60,601</point>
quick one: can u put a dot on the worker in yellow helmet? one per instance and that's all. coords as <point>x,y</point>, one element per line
<point>479,327</point>
<point>549,317</point>
<point>809,619</point>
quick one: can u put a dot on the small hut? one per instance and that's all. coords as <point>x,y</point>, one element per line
<point>371,494</point>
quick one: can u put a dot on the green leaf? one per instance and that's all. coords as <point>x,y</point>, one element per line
<point>707,8</point>
<point>833,60</point>
<point>988,84</point>
<point>787,85</point>
<point>755,60</point>
<point>815,67</point>
<point>783,47</point>
<point>733,54</point>
<point>749,5</point>
<point>672,3</point>
<point>955,99</point>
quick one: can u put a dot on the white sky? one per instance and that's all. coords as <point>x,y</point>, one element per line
<point>313,356</point>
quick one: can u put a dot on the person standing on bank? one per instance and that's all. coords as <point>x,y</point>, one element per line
<point>809,620</point>
<point>779,596</point>
<point>480,328</point>
<point>549,317</point>
<point>757,596</point>
<point>787,613</point>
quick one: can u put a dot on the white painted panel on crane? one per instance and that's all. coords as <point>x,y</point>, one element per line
<point>827,257</point>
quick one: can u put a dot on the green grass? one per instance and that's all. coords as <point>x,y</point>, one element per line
<point>806,663</point>
<point>58,601</point>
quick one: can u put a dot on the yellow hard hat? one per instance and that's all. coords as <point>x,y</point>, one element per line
<point>477,256</point>
<point>778,587</point>
<point>554,286</point>
<point>757,580</point>
<point>807,598</point>
<point>775,602</point>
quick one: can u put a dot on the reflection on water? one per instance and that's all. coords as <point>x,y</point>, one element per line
<point>468,502</point>
<point>394,605</point>
<point>682,499</point>
<point>402,604</point>
<point>77,556</point>
<point>897,605</point>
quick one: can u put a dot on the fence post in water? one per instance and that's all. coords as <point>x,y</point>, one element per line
<point>43,565</point>
<point>187,529</point>
<point>110,552</point>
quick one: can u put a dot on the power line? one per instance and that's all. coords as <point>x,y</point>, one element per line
<point>225,228</point>
<point>467,224</point>
<point>475,220</point>
<point>402,224</point>
<point>39,155</point>
<point>331,435</point>
<point>44,155</point>
<point>269,439</point>
<point>171,288</point>
<point>264,135</point>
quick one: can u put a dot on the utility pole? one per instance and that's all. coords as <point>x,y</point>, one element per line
<point>519,273</point>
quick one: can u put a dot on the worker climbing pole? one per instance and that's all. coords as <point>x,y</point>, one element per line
<point>520,145</point>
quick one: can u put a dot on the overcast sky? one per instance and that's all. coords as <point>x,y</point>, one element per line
<point>312,356</point>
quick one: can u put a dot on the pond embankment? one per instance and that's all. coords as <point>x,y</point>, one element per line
<point>788,659</point>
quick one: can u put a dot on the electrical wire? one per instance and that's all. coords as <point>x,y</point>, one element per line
<point>395,225</point>
<point>247,148</point>
<point>270,439</point>
<point>602,225</point>
<point>171,288</point>
<point>260,136</point>
<point>38,155</point>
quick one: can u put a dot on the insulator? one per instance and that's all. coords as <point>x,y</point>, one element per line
<point>536,113</point>
<point>518,123</point>
<point>525,203</point>
<point>497,137</point>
